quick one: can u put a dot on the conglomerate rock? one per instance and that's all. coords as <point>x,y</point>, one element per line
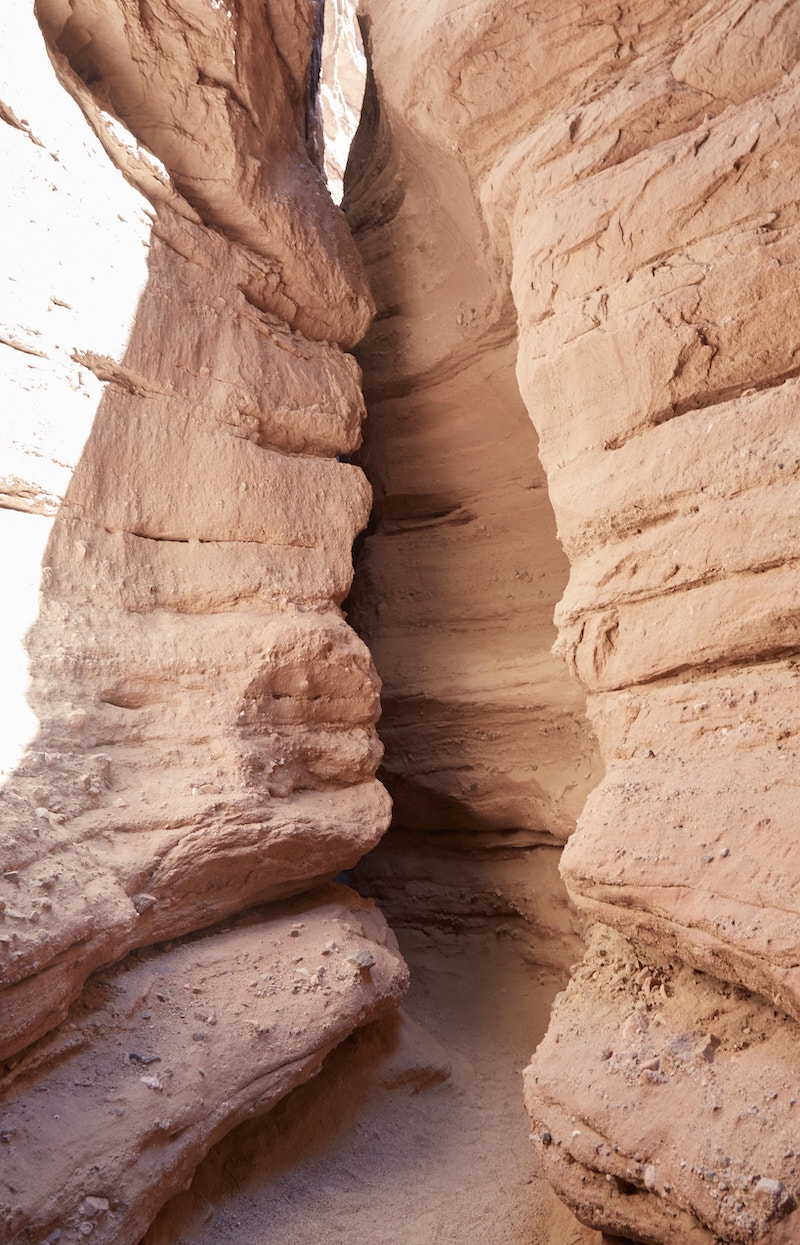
<point>629,171</point>
<point>206,719</point>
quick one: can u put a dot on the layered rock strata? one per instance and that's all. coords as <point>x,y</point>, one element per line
<point>630,171</point>
<point>206,734</point>
<point>461,568</point>
<point>165,1054</point>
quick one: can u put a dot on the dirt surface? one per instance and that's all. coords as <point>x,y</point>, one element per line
<point>414,1132</point>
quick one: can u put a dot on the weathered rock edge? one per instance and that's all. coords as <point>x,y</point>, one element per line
<point>107,1117</point>
<point>207,719</point>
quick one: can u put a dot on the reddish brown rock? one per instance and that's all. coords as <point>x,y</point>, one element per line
<point>588,218</point>
<point>206,733</point>
<point>680,1124</point>
<point>223,103</point>
<point>461,568</point>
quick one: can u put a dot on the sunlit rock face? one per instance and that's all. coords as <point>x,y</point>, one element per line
<point>628,174</point>
<point>178,298</point>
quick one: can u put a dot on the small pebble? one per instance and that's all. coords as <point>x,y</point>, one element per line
<point>94,1206</point>
<point>362,958</point>
<point>770,1188</point>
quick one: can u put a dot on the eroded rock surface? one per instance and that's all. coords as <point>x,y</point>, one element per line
<point>680,1126</point>
<point>630,170</point>
<point>164,1054</point>
<point>585,215</point>
<point>461,567</point>
<point>206,718</point>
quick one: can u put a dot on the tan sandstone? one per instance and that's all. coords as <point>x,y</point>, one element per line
<point>206,719</point>
<point>629,170</point>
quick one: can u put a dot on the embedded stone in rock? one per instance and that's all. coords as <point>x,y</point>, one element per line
<point>166,1052</point>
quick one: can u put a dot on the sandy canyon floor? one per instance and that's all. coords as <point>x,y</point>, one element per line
<point>414,1132</point>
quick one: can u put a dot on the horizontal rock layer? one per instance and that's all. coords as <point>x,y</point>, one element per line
<point>166,1052</point>
<point>657,357</point>
<point>680,1126</point>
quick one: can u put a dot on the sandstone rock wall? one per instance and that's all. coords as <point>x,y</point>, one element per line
<point>630,171</point>
<point>206,735</point>
<point>578,219</point>
<point>461,568</point>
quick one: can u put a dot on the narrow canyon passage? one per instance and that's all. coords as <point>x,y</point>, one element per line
<point>412,1133</point>
<point>542,369</point>
<point>414,1130</point>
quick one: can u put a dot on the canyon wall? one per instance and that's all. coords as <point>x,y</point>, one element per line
<point>628,173</point>
<point>180,399</point>
<point>579,225</point>
<point>488,754</point>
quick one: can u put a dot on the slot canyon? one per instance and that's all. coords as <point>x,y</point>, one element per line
<point>399,515</point>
